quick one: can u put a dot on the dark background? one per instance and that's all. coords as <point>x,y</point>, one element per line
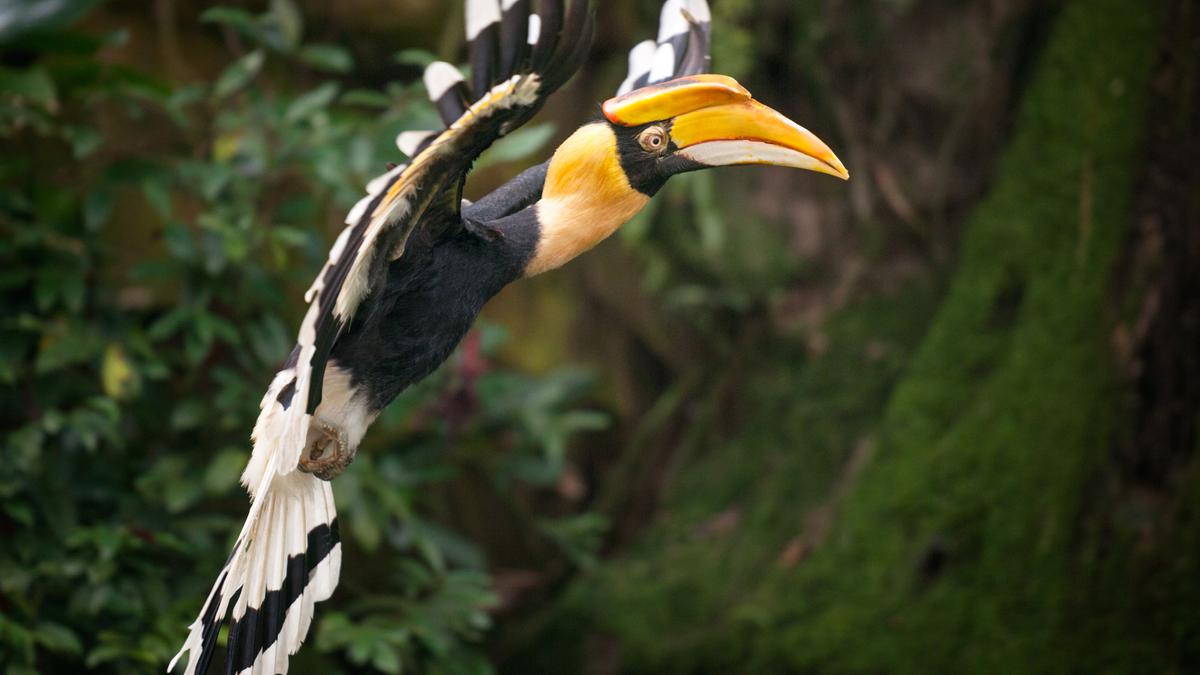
<point>941,418</point>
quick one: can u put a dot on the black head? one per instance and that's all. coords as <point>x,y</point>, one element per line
<point>649,157</point>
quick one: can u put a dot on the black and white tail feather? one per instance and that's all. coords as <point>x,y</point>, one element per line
<point>288,555</point>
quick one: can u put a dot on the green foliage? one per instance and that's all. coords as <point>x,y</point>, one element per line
<point>25,17</point>
<point>150,285</point>
<point>420,629</point>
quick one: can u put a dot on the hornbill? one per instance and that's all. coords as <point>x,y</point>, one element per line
<point>415,263</point>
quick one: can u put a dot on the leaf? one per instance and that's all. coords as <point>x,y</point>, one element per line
<point>584,420</point>
<point>289,21</point>
<point>20,512</point>
<point>239,73</point>
<point>104,654</point>
<point>366,530</point>
<point>33,85</point>
<point>179,240</point>
<point>386,660</point>
<point>708,217</point>
<point>224,470</point>
<point>96,208</point>
<point>117,374</point>
<point>415,57</point>
<point>327,57</point>
<point>58,638</point>
<point>225,147</point>
<point>238,19</point>
<point>188,415</point>
<point>21,16</point>
<point>518,145</point>
<point>366,98</point>
<point>62,349</point>
<point>61,284</point>
<point>159,196</point>
<point>84,140</point>
<point>169,323</point>
<point>311,102</point>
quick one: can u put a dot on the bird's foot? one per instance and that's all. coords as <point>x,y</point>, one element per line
<point>483,231</point>
<point>327,451</point>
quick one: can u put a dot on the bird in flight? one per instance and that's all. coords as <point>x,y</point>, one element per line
<point>416,263</point>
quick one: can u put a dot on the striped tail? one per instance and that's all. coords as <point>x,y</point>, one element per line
<point>286,559</point>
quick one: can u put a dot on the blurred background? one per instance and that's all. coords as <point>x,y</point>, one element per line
<point>939,419</point>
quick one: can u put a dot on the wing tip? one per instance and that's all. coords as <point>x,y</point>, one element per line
<point>439,78</point>
<point>409,142</point>
<point>479,15</point>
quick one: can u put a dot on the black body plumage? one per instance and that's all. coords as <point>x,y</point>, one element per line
<point>432,296</point>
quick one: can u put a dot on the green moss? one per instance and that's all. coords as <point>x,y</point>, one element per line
<point>958,547</point>
<point>739,501</point>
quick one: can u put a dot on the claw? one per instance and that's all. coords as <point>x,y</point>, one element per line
<point>328,451</point>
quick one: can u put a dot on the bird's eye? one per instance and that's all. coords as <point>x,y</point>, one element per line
<point>652,139</point>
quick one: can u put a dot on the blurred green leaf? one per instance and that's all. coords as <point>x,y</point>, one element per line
<point>32,84</point>
<point>239,74</point>
<point>22,16</point>
<point>366,97</point>
<point>415,57</point>
<point>387,661</point>
<point>120,379</point>
<point>311,102</point>
<point>290,22</point>
<point>188,415</point>
<point>224,471</point>
<point>84,141</point>
<point>59,285</point>
<point>579,536</point>
<point>367,531</point>
<point>97,207</point>
<point>159,196</point>
<point>58,638</point>
<point>518,145</point>
<point>327,57</point>
<point>238,19</point>
<point>19,512</point>
<point>65,347</point>
<point>104,654</point>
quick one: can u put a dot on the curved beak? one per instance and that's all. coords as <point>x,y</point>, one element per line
<point>748,132</point>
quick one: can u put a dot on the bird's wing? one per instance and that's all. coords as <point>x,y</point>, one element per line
<point>682,48</point>
<point>519,56</point>
<point>684,37</point>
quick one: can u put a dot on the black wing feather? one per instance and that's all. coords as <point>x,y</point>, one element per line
<point>437,172</point>
<point>514,37</point>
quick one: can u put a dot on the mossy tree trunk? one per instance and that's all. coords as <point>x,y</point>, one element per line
<point>1005,484</point>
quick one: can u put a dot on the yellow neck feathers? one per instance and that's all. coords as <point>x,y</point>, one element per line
<point>585,199</point>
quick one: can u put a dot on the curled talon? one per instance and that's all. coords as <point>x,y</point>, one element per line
<point>328,452</point>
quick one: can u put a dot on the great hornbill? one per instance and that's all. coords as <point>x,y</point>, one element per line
<point>415,263</point>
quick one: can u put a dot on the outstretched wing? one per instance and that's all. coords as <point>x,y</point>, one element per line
<point>519,56</point>
<point>684,36</point>
<point>682,48</point>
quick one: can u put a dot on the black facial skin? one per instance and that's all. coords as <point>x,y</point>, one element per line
<point>648,170</point>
